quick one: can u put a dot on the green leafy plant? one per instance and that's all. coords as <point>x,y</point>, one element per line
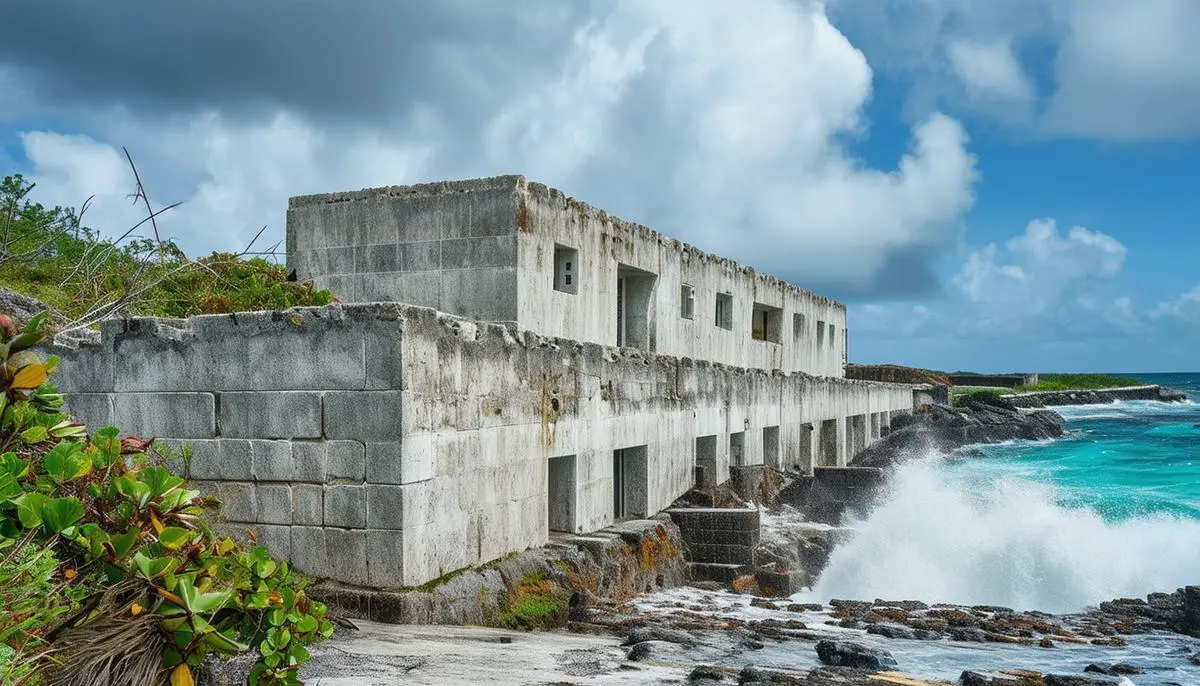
<point>109,566</point>
<point>52,255</point>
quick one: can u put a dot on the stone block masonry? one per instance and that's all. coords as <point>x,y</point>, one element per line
<point>385,445</point>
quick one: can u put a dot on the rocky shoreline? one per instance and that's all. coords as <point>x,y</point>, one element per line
<point>1095,397</point>
<point>941,428</point>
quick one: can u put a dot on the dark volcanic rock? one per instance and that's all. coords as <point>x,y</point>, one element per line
<point>850,654</point>
<point>892,631</point>
<point>1112,670</point>
<point>969,678</point>
<point>944,429</point>
<point>656,633</point>
<point>640,651</point>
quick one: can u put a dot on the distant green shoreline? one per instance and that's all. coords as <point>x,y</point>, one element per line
<point>1055,382</point>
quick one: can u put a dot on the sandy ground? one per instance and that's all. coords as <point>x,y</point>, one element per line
<point>408,654</point>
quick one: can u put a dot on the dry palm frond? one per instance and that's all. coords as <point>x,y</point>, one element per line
<point>111,650</point>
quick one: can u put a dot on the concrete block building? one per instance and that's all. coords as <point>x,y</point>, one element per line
<point>517,364</point>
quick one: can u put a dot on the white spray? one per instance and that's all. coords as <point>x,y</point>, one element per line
<point>946,537</point>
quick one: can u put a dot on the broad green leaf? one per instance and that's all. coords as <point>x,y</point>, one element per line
<point>210,602</point>
<point>160,480</point>
<point>306,624</point>
<point>174,537</point>
<point>277,616</point>
<point>34,434</point>
<point>60,513</point>
<point>29,509</point>
<point>123,543</point>
<point>265,568</point>
<point>223,642</point>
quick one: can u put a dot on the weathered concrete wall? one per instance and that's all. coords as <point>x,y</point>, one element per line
<point>994,380</point>
<point>486,249</point>
<point>450,246</point>
<point>607,245</point>
<point>385,445</point>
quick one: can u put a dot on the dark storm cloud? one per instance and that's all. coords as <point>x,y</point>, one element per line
<point>359,60</point>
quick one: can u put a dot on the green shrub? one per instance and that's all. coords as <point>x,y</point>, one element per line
<point>49,254</point>
<point>108,564</point>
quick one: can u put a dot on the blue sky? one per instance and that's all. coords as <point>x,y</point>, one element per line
<point>992,186</point>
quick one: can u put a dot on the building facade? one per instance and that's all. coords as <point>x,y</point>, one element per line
<point>480,401</point>
<point>507,250</point>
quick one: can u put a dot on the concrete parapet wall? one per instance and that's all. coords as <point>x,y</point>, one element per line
<point>385,445</point>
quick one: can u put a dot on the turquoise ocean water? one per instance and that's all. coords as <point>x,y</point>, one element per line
<point>1110,510</point>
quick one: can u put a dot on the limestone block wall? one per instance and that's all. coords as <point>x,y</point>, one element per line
<point>385,445</point>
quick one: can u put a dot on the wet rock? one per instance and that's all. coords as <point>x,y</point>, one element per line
<point>906,605</point>
<point>657,633</point>
<point>763,603</point>
<point>943,428</point>
<point>969,678</point>
<point>639,651</point>
<point>1112,670</point>
<point>706,675</point>
<point>851,654</point>
<point>805,607</point>
<point>967,634</point>
<point>851,623</point>
<point>898,631</point>
<point>1090,680</point>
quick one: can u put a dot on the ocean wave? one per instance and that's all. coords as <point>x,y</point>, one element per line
<point>947,535</point>
<point>1126,409</point>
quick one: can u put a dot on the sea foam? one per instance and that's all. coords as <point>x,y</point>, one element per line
<point>956,536</point>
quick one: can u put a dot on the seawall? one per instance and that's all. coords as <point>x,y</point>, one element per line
<point>1094,397</point>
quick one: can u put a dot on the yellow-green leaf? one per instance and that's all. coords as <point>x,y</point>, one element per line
<point>31,376</point>
<point>182,676</point>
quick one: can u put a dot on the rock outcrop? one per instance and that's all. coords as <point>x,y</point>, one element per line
<point>973,421</point>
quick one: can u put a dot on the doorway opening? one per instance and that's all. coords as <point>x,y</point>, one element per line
<point>634,290</point>
<point>630,483</point>
<point>560,493</point>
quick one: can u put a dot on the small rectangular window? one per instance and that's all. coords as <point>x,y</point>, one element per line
<point>687,301</point>
<point>832,336</point>
<point>565,260</point>
<point>764,324</point>
<point>724,311</point>
<point>798,326</point>
<point>820,333</point>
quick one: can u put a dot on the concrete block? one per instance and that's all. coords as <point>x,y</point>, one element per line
<point>484,251</point>
<point>385,558</point>
<point>237,501</point>
<point>277,539</point>
<point>420,256</point>
<point>278,414</point>
<point>345,460</point>
<point>309,554</point>
<point>177,415</point>
<point>345,506</point>
<point>309,460</point>
<point>396,463</point>
<point>422,289</point>
<point>93,409</point>
<point>347,553</point>
<point>486,294</point>
<point>308,504</point>
<point>255,351</point>
<point>272,460</point>
<point>377,258</point>
<point>273,504</point>
<point>363,415</point>
<point>385,507</point>
<point>222,460</point>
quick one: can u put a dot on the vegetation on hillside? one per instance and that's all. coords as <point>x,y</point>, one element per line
<point>109,571</point>
<point>52,255</point>
<point>1078,382</point>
